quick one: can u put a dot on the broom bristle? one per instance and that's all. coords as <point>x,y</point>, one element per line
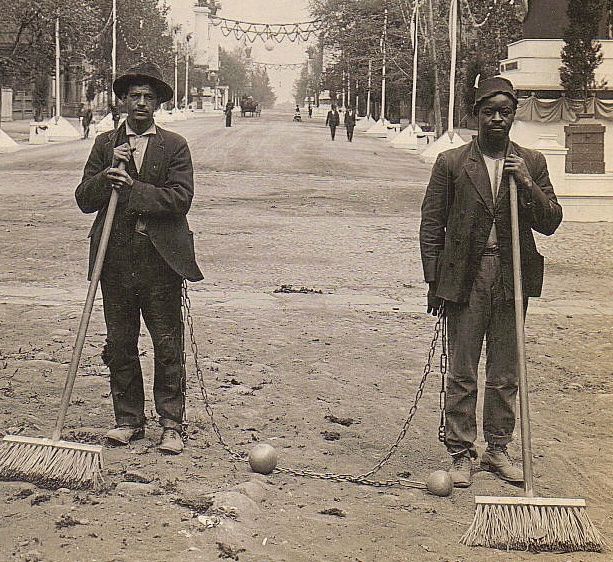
<point>533,527</point>
<point>51,464</point>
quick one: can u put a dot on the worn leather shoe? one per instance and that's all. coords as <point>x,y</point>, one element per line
<point>499,462</point>
<point>123,434</point>
<point>171,442</point>
<point>461,471</point>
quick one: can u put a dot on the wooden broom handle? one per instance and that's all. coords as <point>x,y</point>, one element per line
<point>524,408</point>
<point>87,311</point>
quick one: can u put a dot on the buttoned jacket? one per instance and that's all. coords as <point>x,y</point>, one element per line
<point>458,212</point>
<point>333,118</point>
<point>161,197</point>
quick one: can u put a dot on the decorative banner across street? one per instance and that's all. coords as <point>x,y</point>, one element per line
<point>300,31</point>
<point>278,66</point>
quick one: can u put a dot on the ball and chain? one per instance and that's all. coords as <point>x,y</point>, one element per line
<point>364,478</point>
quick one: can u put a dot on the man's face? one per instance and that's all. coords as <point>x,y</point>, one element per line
<point>141,101</point>
<point>496,115</point>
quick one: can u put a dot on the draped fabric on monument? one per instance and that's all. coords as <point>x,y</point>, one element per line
<point>562,109</point>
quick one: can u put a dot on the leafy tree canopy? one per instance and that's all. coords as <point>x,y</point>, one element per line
<point>236,72</point>
<point>581,54</point>
<point>28,38</point>
<point>352,36</point>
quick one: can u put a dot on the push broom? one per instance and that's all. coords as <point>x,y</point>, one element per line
<point>54,463</point>
<point>529,523</point>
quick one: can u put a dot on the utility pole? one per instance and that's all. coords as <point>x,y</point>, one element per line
<point>415,45</point>
<point>114,108</point>
<point>57,69</point>
<point>187,38</point>
<point>176,101</point>
<point>114,48</point>
<point>368,89</point>
<point>453,30</point>
<point>308,66</point>
<point>174,43</point>
<point>383,50</point>
<point>437,97</point>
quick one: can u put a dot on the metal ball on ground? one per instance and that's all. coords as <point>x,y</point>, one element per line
<point>440,483</point>
<point>263,458</point>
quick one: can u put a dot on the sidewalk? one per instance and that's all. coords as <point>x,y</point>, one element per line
<point>19,129</point>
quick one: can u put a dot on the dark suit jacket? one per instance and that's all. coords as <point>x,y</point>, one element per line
<point>458,213</point>
<point>333,118</point>
<point>161,195</point>
<point>350,119</point>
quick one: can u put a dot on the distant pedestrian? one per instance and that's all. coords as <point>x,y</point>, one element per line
<point>350,119</point>
<point>332,121</point>
<point>228,112</point>
<point>86,121</point>
<point>310,111</point>
<point>116,115</point>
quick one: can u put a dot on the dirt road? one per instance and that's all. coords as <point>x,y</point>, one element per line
<point>278,203</point>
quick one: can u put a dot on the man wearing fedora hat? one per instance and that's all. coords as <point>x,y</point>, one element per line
<point>465,240</point>
<point>150,253</point>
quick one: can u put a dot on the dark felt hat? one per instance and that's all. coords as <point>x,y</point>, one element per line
<point>490,87</point>
<point>147,72</point>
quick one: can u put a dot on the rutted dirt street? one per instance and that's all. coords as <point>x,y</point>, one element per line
<point>277,203</point>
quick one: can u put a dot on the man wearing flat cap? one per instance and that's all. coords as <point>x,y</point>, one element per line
<point>465,240</point>
<point>150,252</point>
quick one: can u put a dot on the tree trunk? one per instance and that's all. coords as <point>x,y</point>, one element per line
<point>438,119</point>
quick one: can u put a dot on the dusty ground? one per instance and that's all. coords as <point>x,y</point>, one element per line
<point>278,204</point>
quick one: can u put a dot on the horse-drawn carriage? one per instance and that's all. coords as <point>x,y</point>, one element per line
<point>250,106</point>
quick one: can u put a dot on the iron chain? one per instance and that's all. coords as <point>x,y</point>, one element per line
<point>442,434</point>
<point>189,325</point>
<point>363,478</point>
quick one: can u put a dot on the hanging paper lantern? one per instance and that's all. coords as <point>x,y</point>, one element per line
<point>269,44</point>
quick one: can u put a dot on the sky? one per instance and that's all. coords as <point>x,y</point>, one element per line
<point>259,11</point>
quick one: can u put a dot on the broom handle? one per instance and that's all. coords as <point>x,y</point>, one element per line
<point>87,312</point>
<point>524,409</point>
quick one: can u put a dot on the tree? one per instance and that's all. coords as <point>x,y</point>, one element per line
<point>261,89</point>
<point>352,34</point>
<point>233,71</point>
<point>236,72</point>
<point>485,36</point>
<point>142,34</point>
<point>581,55</point>
<point>85,39</point>
<point>29,54</point>
<point>308,82</point>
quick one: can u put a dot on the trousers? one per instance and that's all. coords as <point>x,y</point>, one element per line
<point>487,315</point>
<point>136,280</point>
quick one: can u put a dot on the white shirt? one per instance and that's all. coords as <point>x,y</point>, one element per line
<point>494,169</point>
<point>140,143</point>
